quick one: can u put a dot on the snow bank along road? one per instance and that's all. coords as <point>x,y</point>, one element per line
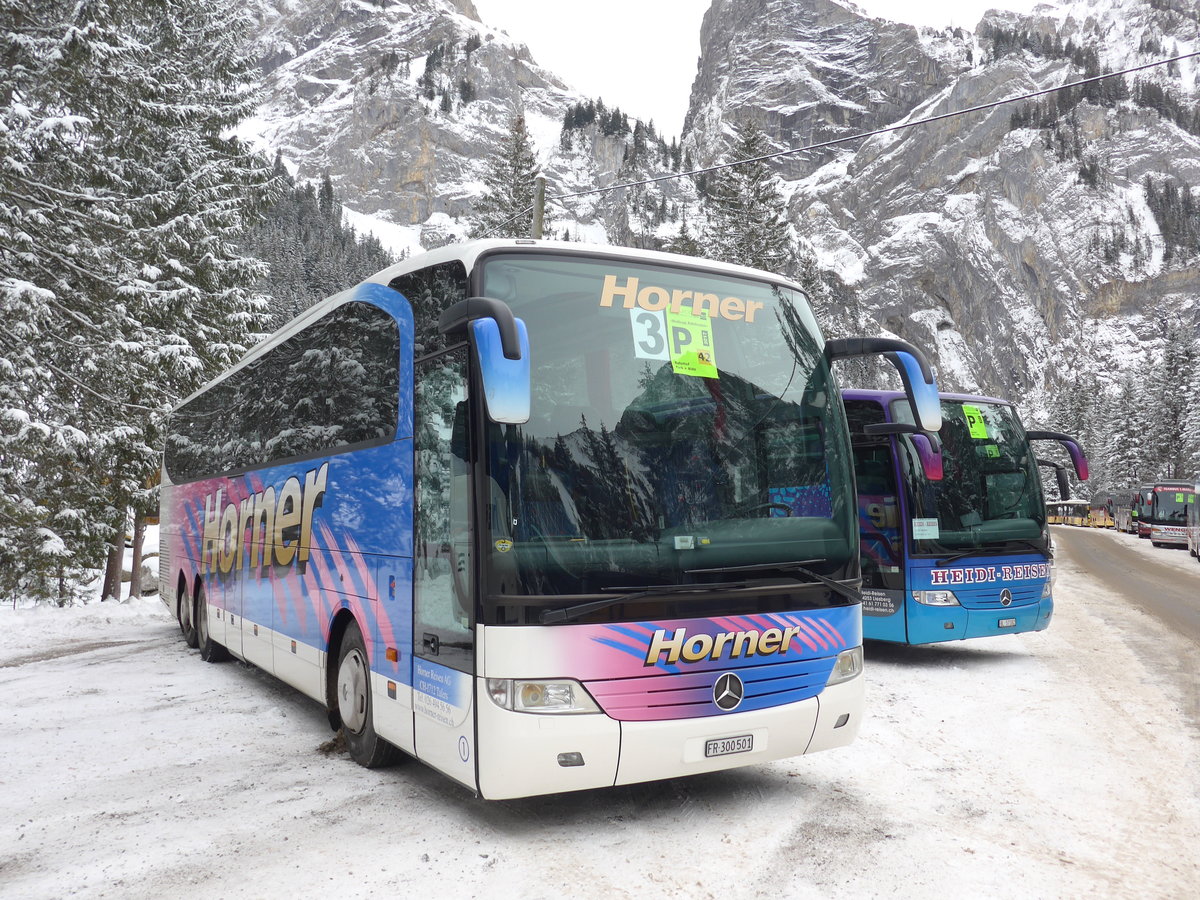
<point>1058,764</point>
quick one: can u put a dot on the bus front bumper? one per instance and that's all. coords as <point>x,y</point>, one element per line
<point>654,750</point>
<point>525,755</point>
<point>935,624</point>
<point>1175,535</point>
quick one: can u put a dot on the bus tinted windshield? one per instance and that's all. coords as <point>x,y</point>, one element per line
<point>1169,506</point>
<point>990,492</point>
<point>681,420</point>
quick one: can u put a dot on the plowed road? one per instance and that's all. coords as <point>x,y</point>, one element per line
<point>1156,580</point>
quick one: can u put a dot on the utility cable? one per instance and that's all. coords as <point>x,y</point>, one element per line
<point>890,128</point>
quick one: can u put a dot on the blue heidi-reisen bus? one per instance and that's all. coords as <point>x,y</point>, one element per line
<point>955,542</point>
<point>546,517</point>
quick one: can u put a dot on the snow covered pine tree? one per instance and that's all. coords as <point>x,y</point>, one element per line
<point>506,209</point>
<point>119,287</point>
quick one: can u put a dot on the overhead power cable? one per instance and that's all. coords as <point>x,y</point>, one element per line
<point>890,128</point>
<point>526,211</point>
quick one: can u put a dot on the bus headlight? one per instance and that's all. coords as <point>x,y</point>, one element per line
<point>1047,588</point>
<point>849,664</point>
<point>935,598</point>
<point>561,696</point>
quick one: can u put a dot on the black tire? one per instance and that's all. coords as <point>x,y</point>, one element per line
<point>210,650</point>
<point>352,697</point>
<point>187,619</point>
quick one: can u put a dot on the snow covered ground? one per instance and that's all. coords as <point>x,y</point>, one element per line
<point>1059,764</point>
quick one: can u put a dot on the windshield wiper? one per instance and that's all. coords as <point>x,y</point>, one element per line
<point>1032,545</point>
<point>991,549</point>
<point>786,567</point>
<point>650,591</point>
<point>955,557</point>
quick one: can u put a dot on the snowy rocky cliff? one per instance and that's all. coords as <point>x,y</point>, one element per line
<point>401,103</point>
<point>810,72</point>
<point>1018,241</point>
<point>1036,246</point>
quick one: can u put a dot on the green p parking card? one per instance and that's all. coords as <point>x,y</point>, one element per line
<point>975,423</point>
<point>691,344</point>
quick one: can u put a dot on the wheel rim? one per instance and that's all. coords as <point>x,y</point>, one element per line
<point>352,691</point>
<point>185,614</point>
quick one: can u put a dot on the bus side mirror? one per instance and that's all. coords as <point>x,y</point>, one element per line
<point>928,447</point>
<point>506,386</point>
<point>1078,457</point>
<point>500,342</point>
<point>914,369</point>
<point>1060,474</point>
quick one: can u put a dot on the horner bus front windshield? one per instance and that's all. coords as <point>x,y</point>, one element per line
<point>990,494</point>
<point>684,431</point>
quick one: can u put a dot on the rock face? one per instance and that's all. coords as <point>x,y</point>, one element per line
<point>401,102</point>
<point>1013,251</point>
<point>1018,243</point>
<point>809,72</point>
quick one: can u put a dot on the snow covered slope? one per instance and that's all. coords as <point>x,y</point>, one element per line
<point>1021,244</point>
<point>1019,253</point>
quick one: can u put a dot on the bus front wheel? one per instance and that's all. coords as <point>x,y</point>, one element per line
<point>353,688</point>
<point>210,650</point>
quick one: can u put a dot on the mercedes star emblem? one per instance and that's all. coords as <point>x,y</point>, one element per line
<point>1006,597</point>
<point>728,692</point>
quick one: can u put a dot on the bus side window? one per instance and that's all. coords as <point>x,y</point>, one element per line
<point>431,291</point>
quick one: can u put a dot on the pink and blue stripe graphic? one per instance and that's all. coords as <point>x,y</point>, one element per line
<point>666,670</point>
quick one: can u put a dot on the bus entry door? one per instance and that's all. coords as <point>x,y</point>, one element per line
<point>443,571</point>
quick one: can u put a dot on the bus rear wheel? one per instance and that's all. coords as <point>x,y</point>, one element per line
<point>186,619</point>
<point>210,650</point>
<point>354,705</point>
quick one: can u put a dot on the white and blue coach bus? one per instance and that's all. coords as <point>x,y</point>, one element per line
<point>955,537</point>
<point>542,516</point>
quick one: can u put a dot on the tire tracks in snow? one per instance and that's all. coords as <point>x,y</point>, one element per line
<point>69,650</point>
